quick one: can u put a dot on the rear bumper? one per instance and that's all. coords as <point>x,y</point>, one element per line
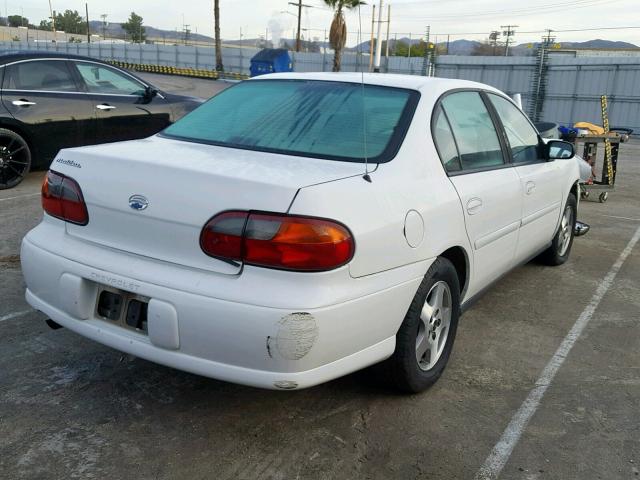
<point>124,341</point>
<point>259,345</point>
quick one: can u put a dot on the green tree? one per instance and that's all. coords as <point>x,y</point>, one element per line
<point>134,28</point>
<point>338,32</point>
<point>45,25</point>
<point>417,49</point>
<point>70,22</point>
<point>18,21</point>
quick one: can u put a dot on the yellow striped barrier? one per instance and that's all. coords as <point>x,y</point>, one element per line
<point>171,70</point>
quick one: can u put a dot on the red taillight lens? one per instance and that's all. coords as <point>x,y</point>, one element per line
<point>62,198</point>
<point>278,241</point>
<point>222,235</point>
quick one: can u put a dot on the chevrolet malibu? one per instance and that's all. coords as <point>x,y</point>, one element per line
<point>299,227</point>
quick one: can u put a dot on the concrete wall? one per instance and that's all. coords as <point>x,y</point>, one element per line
<point>573,89</point>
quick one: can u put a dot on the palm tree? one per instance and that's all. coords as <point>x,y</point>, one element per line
<point>216,15</point>
<point>338,32</point>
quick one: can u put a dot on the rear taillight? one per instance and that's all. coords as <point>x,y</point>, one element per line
<point>62,198</point>
<point>278,241</point>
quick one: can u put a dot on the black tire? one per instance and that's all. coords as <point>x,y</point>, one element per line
<point>402,370</point>
<point>557,254</point>
<point>15,158</point>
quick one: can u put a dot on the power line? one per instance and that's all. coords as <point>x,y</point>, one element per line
<point>547,8</point>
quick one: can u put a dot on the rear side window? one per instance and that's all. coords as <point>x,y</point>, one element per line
<point>51,75</point>
<point>100,79</point>
<point>523,138</point>
<point>474,131</point>
<point>308,118</point>
<point>445,143</point>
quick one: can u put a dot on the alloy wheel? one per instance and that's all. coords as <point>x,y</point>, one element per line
<point>566,230</point>
<point>434,325</point>
<point>14,159</point>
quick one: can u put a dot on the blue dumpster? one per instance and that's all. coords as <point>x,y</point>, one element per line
<point>270,60</point>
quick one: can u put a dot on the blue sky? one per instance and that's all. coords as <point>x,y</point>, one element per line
<point>460,18</point>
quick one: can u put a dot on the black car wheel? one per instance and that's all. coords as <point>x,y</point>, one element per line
<point>15,159</point>
<point>560,248</point>
<point>425,339</point>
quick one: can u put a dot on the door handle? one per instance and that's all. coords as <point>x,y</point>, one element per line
<point>473,206</point>
<point>530,187</point>
<point>104,106</point>
<point>23,103</point>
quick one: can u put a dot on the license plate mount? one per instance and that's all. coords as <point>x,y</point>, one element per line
<point>122,308</point>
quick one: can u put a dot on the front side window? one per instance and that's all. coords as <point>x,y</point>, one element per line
<point>42,75</point>
<point>523,138</point>
<point>321,119</point>
<point>474,131</point>
<point>101,79</point>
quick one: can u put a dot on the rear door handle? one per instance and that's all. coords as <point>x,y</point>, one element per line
<point>473,206</point>
<point>23,103</point>
<point>530,188</point>
<point>104,106</point>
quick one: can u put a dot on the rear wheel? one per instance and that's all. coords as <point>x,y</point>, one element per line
<point>560,248</point>
<point>425,339</point>
<point>15,159</point>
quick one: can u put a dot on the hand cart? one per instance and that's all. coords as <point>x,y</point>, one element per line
<point>607,180</point>
<point>611,139</point>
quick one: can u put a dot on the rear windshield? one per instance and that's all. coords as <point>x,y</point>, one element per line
<point>307,118</point>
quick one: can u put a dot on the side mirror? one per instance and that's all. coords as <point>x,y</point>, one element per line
<point>150,92</point>
<point>559,149</point>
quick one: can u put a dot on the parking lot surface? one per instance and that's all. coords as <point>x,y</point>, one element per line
<point>71,408</point>
<point>185,85</point>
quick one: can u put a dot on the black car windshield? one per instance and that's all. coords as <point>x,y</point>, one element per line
<point>321,119</point>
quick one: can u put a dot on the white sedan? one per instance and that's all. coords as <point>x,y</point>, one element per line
<point>299,227</point>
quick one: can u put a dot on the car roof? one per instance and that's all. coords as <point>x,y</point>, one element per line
<point>413,82</point>
<point>18,55</point>
<point>8,56</point>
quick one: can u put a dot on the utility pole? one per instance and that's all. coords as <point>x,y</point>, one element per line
<point>548,39</point>
<point>376,66</point>
<point>86,6</point>
<point>386,52</point>
<point>104,26</point>
<point>508,32</point>
<point>53,20</point>
<point>299,21</point>
<point>217,40</point>
<point>186,32</point>
<point>300,5</point>
<point>426,64</point>
<point>493,40</point>
<point>371,46</point>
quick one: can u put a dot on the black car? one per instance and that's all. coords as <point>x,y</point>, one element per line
<point>52,101</point>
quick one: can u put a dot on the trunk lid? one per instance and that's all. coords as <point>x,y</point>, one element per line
<point>184,185</point>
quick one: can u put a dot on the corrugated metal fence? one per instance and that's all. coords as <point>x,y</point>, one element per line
<point>573,87</point>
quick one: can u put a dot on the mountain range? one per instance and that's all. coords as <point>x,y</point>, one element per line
<point>466,47</point>
<point>455,47</point>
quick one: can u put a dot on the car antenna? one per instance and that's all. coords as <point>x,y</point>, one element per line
<point>366,175</point>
